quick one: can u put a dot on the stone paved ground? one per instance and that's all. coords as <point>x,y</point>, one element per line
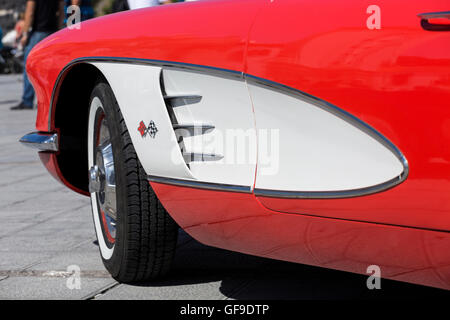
<point>44,228</point>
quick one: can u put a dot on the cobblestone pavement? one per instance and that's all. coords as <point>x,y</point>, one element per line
<point>44,228</point>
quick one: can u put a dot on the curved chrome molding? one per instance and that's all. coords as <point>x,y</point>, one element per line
<point>160,63</point>
<point>331,194</point>
<point>434,15</point>
<point>200,185</point>
<point>41,141</point>
<point>326,106</point>
<point>351,119</point>
<point>344,115</point>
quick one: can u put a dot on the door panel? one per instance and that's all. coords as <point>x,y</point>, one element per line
<point>395,79</point>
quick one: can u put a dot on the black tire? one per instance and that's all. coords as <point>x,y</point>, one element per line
<point>145,234</point>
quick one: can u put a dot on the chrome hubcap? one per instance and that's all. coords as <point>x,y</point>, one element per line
<point>96,179</point>
<point>102,180</point>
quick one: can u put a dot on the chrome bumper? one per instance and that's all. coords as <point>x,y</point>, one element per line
<point>41,141</point>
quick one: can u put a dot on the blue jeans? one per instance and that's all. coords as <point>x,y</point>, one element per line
<point>28,90</point>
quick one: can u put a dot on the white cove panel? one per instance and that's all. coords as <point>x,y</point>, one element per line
<point>315,150</point>
<point>138,93</point>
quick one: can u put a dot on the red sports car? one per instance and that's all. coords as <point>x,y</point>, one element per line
<point>309,131</point>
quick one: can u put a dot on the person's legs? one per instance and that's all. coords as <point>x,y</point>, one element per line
<point>28,90</point>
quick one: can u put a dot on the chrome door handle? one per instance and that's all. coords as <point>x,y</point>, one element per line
<point>435,21</point>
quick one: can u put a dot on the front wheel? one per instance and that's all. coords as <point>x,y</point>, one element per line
<point>136,236</point>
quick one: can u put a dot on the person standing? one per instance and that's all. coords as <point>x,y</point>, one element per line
<point>43,17</point>
<point>86,9</point>
<point>124,5</point>
<point>120,5</point>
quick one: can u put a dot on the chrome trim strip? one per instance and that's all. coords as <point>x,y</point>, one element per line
<point>434,15</point>
<point>41,141</point>
<point>160,63</point>
<point>348,117</point>
<point>344,115</point>
<point>183,96</point>
<point>330,194</point>
<point>200,184</point>
<point>193,129</point>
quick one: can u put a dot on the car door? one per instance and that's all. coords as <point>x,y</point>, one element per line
<point>351,109</point>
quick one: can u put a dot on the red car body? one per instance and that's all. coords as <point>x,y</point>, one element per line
<point>396,79</point>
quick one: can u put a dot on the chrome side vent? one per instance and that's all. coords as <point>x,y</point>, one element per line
<point>191,127</point>
<point>182,99</point>
<point>192,156</point>
<point>189,130</point>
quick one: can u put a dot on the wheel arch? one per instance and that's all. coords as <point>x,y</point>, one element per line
<point>69,117</point>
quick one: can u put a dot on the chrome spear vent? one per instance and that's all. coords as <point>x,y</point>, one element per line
<point>186,130</point>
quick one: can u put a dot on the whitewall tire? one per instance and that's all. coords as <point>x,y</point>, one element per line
<point>136,236</point>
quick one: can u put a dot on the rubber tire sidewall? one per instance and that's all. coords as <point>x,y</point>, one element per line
<point>104,93</point>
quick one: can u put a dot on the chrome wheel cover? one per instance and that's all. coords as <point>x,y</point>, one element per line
<point>102,181</point>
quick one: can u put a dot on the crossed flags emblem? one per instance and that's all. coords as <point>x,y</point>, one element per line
<point>151,129</point>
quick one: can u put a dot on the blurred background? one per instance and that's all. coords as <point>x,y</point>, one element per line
<point>9,13</point>
<point>12,12</point>
<point>11,9</point>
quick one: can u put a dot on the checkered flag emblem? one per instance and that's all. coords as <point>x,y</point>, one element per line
<point>151,130</point>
